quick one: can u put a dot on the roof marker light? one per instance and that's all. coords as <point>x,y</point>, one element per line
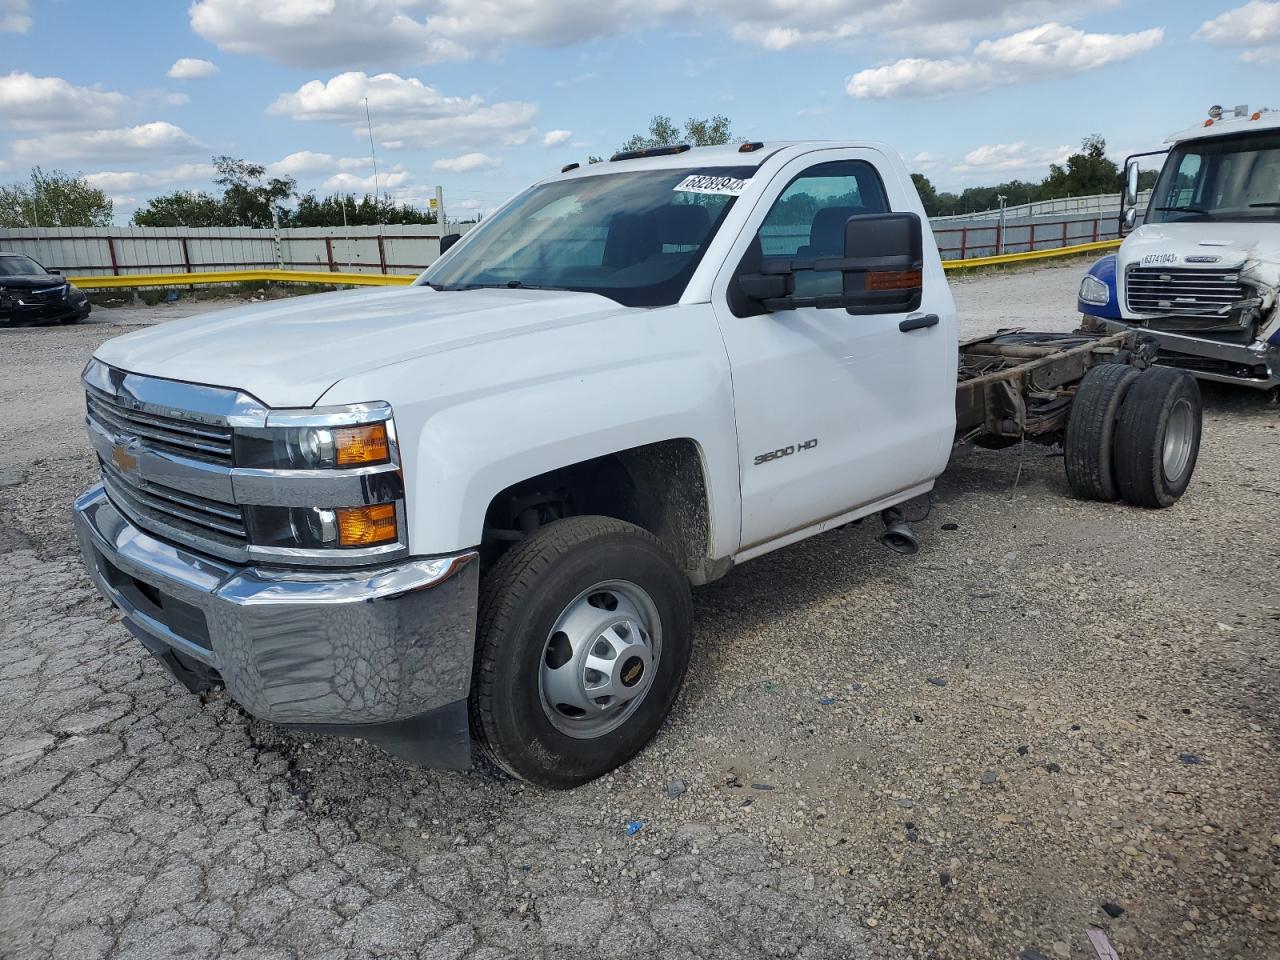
<point>751,146</point>
<point>569,166</point>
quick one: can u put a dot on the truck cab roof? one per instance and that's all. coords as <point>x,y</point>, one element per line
<point>1252,122</point>
<point>752,153</point>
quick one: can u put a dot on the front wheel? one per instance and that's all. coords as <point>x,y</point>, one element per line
<point>584,640</point>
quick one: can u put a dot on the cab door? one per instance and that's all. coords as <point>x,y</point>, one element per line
<point>834,411</point>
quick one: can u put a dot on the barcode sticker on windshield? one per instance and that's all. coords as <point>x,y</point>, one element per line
<point>701,183</point>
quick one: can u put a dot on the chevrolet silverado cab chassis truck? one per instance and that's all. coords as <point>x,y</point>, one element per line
<point>466,514</point>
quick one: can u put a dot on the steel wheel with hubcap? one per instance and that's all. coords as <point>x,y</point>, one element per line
<point>600,659</point>
<point>583,643</point>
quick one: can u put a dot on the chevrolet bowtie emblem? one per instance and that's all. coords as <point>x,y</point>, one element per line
<point>122,457</point>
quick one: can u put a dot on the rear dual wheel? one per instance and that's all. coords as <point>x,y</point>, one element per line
<point>1133,435</point>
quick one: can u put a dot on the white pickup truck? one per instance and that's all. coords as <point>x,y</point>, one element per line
<point>467,512</point>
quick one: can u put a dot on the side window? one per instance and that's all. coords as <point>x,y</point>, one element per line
<point>1182,188</point>
<point>808,218</point>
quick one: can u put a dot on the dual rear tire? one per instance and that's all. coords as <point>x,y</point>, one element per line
<point>1133,435</point>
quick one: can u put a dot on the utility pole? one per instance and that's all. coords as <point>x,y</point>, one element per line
<point>440,209</point>
<point>1001,198</point>
<point>372,153</point>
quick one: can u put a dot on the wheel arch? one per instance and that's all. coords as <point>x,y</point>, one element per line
<point>662,487</point>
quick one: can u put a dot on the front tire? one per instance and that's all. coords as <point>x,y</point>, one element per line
<point>583,643</point>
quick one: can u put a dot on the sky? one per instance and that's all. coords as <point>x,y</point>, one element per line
<point>483,97</point>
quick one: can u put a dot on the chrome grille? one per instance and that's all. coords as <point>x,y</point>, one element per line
<point>146,500</point>
<point>187,438</point>
<point>1181,291</point>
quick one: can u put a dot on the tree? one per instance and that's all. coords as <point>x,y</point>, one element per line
<point>53,199</point>
<point>1085,173</point>
<point>337,209</point>
<point>664,133</point>
<point>182,208</point>
<point>928,193</point>
<point>246,199</point>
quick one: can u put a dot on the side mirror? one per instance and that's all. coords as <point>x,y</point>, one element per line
<point>448,240</point>
<point>56,273</point>
<point>882,270</point>
<point>1129,202</point>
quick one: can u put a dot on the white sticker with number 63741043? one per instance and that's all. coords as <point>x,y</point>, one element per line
<point>1156,259</point>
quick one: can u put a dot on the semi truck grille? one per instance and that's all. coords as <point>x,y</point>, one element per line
<point>187,438</point>
<point>1180,291</point>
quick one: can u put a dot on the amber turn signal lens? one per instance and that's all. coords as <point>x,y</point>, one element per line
<point>366,526</point>
<point>894,280</point>
<point>355,446</point>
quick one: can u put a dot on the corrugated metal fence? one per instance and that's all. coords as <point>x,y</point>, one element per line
<point>120,251</point>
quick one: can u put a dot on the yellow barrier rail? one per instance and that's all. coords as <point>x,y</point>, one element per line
<point>324,277</point>
<point>242,276</point>
<point>1030,255</point>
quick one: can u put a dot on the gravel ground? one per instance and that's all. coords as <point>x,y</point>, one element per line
<point>1058,714</point>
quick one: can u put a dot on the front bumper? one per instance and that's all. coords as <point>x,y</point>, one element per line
<point>44,313</point>
<point>382,653</point>
<point>1207,359</point>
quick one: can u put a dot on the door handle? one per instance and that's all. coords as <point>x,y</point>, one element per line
<point>919,323</point>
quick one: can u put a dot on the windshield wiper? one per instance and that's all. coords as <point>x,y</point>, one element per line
<point>1189,208</point>
<point>506,285</point>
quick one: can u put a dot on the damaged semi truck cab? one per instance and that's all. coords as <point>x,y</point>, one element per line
<point>1201,274</point>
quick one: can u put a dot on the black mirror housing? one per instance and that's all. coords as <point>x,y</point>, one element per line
<point>448,240</point>
<point>882,270</point>
<point>886,256</point>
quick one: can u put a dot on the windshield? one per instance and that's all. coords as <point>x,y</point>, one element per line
<point>19,266</point>
<point>1233,178</point>
<point>633,237</point>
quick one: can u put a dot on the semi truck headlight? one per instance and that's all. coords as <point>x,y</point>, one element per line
<point>1093,290</point>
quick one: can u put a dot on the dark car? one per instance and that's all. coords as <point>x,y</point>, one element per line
<point>31,294</point>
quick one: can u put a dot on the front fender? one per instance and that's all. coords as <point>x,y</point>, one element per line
<point>1104,271</point>
<point>472,422</point>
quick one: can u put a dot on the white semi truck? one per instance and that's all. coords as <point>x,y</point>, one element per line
<point>1202,273</point>
<point>467,513</point>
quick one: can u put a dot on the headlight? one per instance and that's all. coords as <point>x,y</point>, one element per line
<point>313,445</point>
<point>334,473</point>
<point>1093,290</point>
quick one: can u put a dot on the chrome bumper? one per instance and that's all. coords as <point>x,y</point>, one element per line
<point>1265,365</point>
<point>382,652</point>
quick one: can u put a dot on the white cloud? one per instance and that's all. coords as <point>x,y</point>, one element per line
<point>27,101</point>
<point>351,183</point>
<point>925,160</point>
<point>192,68</point>
<point>183,174</point>
<point>14,17</point>
<point>467,163</point>
<point>1254,27</point>
<point>343,33</point>
<point>407,112</point>
<point>309,163</point>
<point>1004,157</point>
<point>146,141</point>
<point>553,138</point>
<point>1050,50</point>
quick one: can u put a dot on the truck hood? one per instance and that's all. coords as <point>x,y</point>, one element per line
<point>1233,243</point>
<point>287,353</point>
